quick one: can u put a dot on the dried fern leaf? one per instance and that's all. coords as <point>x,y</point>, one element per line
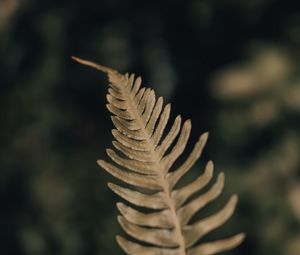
<point>144,156</point>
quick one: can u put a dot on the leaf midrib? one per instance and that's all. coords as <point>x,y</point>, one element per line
<point>157,161</point>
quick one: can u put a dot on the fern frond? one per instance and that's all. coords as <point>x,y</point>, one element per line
<point>143,158</point>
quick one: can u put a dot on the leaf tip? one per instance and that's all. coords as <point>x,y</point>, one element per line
<point>235,198</point>
<point>205,135</point>
<point>240,238</point>
<point>111,185</point>
<point>100,162</point>
<point>94,65</point>
<point>210,164</point>
<point>120,206</point>
<point>221,178</point>
<point>121,221</point>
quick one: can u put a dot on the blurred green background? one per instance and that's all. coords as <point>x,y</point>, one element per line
<point>231,66</point>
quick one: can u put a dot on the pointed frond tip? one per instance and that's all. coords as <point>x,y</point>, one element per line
<point>146,156</point>
<point>94,65</point>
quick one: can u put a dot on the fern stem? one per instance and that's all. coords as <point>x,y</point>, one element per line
<point>160,168</point>
<point>171,204</point>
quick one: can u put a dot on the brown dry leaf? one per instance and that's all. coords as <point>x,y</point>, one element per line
<point>144,156</point>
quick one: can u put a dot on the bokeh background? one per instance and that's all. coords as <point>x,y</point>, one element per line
<point>231,66</point>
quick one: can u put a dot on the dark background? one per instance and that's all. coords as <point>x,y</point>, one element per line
<point>231,66</point>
